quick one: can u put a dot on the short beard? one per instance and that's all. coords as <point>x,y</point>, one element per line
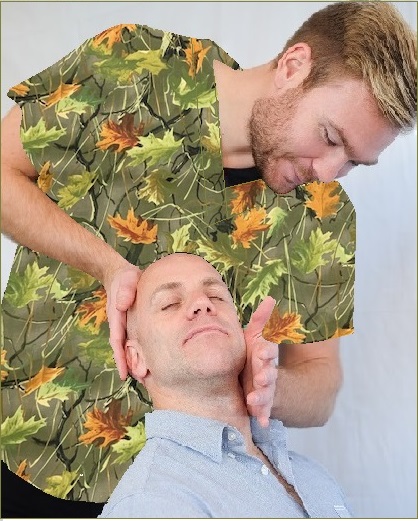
<point>270,133</point>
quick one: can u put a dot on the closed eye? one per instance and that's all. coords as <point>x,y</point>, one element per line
<point>216,298</point>
<point>167,306</point>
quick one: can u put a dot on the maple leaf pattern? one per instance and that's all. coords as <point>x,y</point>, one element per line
<point>45,374</point>
<point>134,229</point>
<point>45,177</point>
<point>105,428</point>
<point>21,470</point>
<point>93,310</point>
<point>63,91</point>
<point>280,328</point>
<point>4,364</point>
<point>122,136</point>
<point>247,226</point>
<point>342,332</point>
<point>112,35</point>
<point>246,194</point>
<point>20,89</point>
<point>194,56</point>
<point>322,202</point>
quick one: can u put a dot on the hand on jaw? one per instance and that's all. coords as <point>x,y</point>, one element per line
<point>258,379</point>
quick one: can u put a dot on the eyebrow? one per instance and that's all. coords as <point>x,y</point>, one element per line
<point>349,149</point>
<point>168,286</point>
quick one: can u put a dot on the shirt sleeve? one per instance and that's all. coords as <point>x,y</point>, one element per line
<point>85,115</point>
<point>72,120</point>
<point>55,103</point>
<point>298,248</point>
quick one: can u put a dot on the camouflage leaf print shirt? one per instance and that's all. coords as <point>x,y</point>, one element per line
<point>124,132</point>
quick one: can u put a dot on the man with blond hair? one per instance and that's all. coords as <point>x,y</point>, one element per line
<point>124,135</point>
<point>204,456</point>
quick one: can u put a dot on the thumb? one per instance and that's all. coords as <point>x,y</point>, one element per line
<point>126,289</point>
<point>260,316</point>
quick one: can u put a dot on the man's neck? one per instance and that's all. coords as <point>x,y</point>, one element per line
<point>237,91</point>
<point>224,403</point>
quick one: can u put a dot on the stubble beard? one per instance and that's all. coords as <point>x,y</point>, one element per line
<point>270,138</point>
<point>195,370</point>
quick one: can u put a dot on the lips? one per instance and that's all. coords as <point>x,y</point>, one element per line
<point>290,176</point>
<point>203,329</point>
<point>299,180</point>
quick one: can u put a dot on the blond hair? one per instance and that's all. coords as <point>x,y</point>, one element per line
<point>369,41</point>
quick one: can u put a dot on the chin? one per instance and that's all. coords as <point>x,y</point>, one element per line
<point>279,189</point>
<point>220,363</point>
<point>275,181</point>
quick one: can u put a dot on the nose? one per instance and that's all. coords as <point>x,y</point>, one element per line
<point>330,167</point>
<point>200,305</point>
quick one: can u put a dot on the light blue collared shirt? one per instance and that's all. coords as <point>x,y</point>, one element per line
<point>197,467</point>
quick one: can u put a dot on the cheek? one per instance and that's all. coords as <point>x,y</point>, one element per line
<point>153,337</point>
<point>239,335</point>
<point>307,141</point>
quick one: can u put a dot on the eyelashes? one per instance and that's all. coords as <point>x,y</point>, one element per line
<point>168,306</point>
<point>176,304</point>
<point>332,143</point>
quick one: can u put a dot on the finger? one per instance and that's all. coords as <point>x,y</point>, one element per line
<point>263,421</point>
<point>117,326</point>
<point>265,378</point>
<point>261,413</point>
<point>262,397</point>
<point>266,351</point>
<point>126,291</point>
<point>120,360</point>
<point>260,317</point>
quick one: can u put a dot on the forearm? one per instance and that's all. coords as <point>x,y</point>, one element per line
<point>30,218</point>
<point>306,392</point>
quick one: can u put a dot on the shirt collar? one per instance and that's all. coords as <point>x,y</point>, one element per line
<point>206,435</point>
<point>275,433</point>
<point>200,434</point>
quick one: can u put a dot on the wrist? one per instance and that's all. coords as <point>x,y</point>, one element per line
<point>112,262</point>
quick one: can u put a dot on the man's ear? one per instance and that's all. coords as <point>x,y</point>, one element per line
<point>294,66</point>
<point>135,361</point>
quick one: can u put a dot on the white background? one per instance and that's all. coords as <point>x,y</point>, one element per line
<point>370,442</point>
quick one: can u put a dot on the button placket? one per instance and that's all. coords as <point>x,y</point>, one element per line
<point>233,445</point>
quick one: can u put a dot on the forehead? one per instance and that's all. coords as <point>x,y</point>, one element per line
<point>178,270</point>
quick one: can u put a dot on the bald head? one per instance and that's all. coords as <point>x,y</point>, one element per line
<point>183,325</point>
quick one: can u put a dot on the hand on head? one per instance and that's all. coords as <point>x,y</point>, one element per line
<point>120,286</point>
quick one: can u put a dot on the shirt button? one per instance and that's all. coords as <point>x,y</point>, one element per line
<point>231,455</point>
<point>232,436</point>
<point>264,470</point>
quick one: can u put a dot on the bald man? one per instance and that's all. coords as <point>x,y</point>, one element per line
<point>204,455</point>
